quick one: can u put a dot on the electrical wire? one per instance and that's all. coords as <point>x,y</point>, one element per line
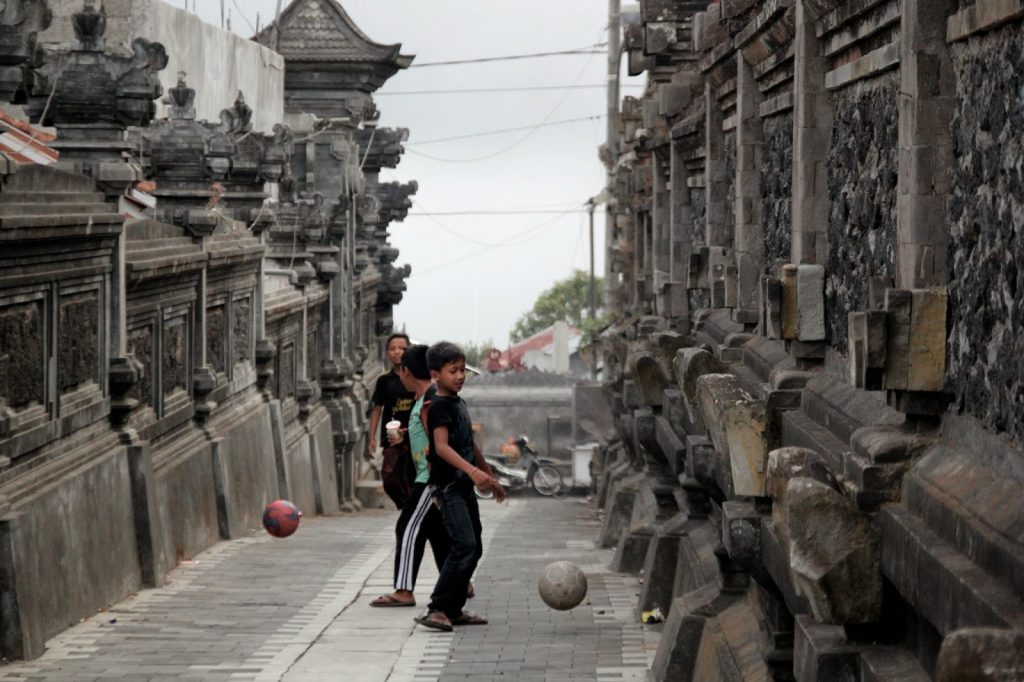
<point>524,237</point>
<point>589,49</point>
<point>251,27</point>
<point>525,88</point>
<point>500,212</point>
<point>505,130</point>
<point>524,138</point>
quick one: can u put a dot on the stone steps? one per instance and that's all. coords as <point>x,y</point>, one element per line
<point>49,198</point>
<point>921,565</point>
<point>69,203</point>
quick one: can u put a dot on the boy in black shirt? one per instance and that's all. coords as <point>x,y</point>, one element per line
<point>392,401</point>
<point>454,471</point>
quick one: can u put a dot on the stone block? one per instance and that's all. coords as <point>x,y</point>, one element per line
<point>619,510</point>
<point>649,379</point>
<point>699,453</point>
<point>771,289</point>
<point>659,566</point>
<point>926,361</point>
<point>630,394</point>
<point>897,352</point>
<point>784,464</point>
<point>676,657</point>
<point>741,532</point>
<point>672,447</point>
<point>821,652</point>
<point>808,350</point>
<point>833,554</point>
<point>631,551</point>
<point>788,283</point>
<point>691,364</point>
<point>737,425</point>
<point>867,346</point>
<point>810,284</point>
<point>981,655</point>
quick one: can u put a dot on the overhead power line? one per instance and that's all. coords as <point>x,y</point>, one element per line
<point>500,212</point>
<point>506,130</point>
<point>589,49</point>
<point>525,88</point>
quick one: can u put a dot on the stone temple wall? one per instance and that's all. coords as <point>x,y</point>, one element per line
<point>777,187</point>
<point>986,214</point>
<point>862,186</point>
<point>818,462</point>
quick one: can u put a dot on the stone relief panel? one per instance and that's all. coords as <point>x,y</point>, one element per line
<point>862,167</point>
<point>78,351</point>
<point>217,337</point>
<point>22,354</point>
<point>777,187</point>
<point>140,345</point>
<point>241,311</point>
<point>985,352</point>
<point>175,355</point>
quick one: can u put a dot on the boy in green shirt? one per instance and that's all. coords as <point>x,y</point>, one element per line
<point>420,519</point>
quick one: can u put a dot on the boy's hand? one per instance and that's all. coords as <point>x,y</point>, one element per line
<point>500,494</point>
<point>397,437</point>
<point>482,480</point>
<point>371,447</point>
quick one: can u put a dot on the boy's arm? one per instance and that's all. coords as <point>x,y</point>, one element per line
<point>445,452</point>
<point>374,421</point>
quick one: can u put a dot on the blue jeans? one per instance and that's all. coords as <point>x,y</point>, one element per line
<point>461,516</point>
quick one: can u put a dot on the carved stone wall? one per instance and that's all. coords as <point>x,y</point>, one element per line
<point>862,185</point>
<point>777,187</point>
<point>985,363</point>
<point>21,370</point>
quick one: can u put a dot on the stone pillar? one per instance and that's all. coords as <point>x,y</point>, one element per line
<point>680,214</point>
<point>926,104</point>
<point>716,185</point>
<point>660,246</point>
<point>812,133</point>
<point>749,145</point>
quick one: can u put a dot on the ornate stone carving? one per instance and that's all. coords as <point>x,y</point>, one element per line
<point>180,100</point>
<point>20,22</point>
<point>90,26</point>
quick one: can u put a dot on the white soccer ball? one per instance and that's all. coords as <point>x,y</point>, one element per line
<point>562,585</point>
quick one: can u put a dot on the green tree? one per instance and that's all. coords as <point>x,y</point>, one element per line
<point>567,299</point>
<point>476,353</point>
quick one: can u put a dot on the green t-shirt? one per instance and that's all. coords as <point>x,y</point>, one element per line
<point>419,445</point>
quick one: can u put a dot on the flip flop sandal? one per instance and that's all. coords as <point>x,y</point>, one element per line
<point>388,601</point>
<point>433,620</point>
<point>469,618</point>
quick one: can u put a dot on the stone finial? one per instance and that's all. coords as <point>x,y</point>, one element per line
<point>90,26</point>
<point>180,100</point>
<point>238,118</point>
<point>833,554</point>
<point>20,22</point>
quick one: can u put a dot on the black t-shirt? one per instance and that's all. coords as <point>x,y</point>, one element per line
<point>394,400</point>
<point>450,411</point>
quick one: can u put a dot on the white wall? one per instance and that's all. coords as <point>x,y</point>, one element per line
<point>218,62</point>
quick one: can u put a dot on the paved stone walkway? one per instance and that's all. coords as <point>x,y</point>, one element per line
<point>296,610</point>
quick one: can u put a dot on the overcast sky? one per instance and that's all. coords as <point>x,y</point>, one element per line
<point>473,276</point>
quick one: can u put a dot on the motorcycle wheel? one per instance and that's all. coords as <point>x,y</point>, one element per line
<point>547,480</point>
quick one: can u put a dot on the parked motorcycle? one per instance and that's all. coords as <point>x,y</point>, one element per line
<point>529,470</point>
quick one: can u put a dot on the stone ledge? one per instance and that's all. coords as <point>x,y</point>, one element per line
<point>983,16</point>
<point>879,60</point>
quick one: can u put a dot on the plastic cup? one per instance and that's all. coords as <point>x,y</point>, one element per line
<point>393,427</point>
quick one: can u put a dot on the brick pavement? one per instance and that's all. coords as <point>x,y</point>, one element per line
<point>296,610</point>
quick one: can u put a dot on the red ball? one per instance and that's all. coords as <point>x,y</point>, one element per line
<point>281,518</point>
